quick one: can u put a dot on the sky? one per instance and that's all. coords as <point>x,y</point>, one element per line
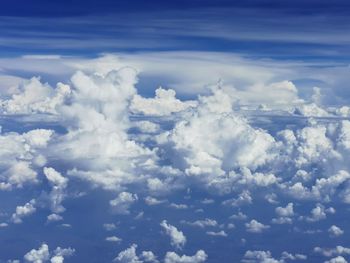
<point>174,131</point>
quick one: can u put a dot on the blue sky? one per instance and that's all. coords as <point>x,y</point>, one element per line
<point>287,29</point>
<point>182,131</point>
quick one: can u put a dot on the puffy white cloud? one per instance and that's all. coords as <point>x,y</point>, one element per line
<point>148,256</point>
<point>338,259</point>
<point>172,257</point>
<point>128,255</point>
<point>122,203</point>
<point>285,255</point>
<point>35,97</point>
<point>276,94</point>
<point>60,253</point>
<point>147,126</point>
<point>164,103</point>
<point>243,198</point>
<point>58,184</point>
<point>229,143</point>
<point>318,213</point>
<point>97,146</point>
<point>177,238</point>
<point>285,211</point>
<point>256,227</point>
<point>311,110</point>
<point>259,256</point>
<point>239,216</point>
<point>23,211</point>
<point>335,231</point>
<point>20,154</point>
<point>39,255</point>
<point>331,252</point>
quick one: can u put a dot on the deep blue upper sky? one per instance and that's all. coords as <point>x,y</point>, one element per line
<point>314,29</point>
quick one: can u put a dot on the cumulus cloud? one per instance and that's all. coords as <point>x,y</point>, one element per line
<point>228,144</point>
<point>35,97</point>
<point>163,104</point>
<point>97,122</point>
<point>258,256</point>
<point>177,238</point>
<point>129,256</point>
<point>42,254</point>
<point>335,231</point>
<point>58,184</point>
<point>122,203</point>
<point>23,211</point>
<point>20,155</point>
<point>331,252</point>
<point>39,255</point>
<point>256,227</point>
<point>172,257</point>
<point>338,259</point>
<point>212,145</point>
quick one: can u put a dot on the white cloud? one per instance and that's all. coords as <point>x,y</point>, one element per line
<point>128,255</point>
<point>58,184</point>
<point>221,233</point>
<point>122,203</point>
<point>35,97</point>
<point>338,259</point>
<point>285,211</point>
<point>335,231</point>
<point>331,252</point>
<point>164,103</point>
<point>258,256</point>
<point>113,239</point>
<point>19,155</point>
<point>203,223</point>
<point>23,211</point>
<point>172,257</point>
<point>256,227</point>
<point>54,218</point>
<point>177,238</point>
<point>40,255</point>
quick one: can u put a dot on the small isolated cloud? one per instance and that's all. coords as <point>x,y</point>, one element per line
<point>113,239</point>
<point>258,256</point>
<point>122,203</point>
<point>335,231</point>
<point>54,218</point>
<point>202,223</point>
<point>256,227</point>
<point>177,238</point>
<point>221,233</point>
<point>172,257</point>
<point>23,211</point>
